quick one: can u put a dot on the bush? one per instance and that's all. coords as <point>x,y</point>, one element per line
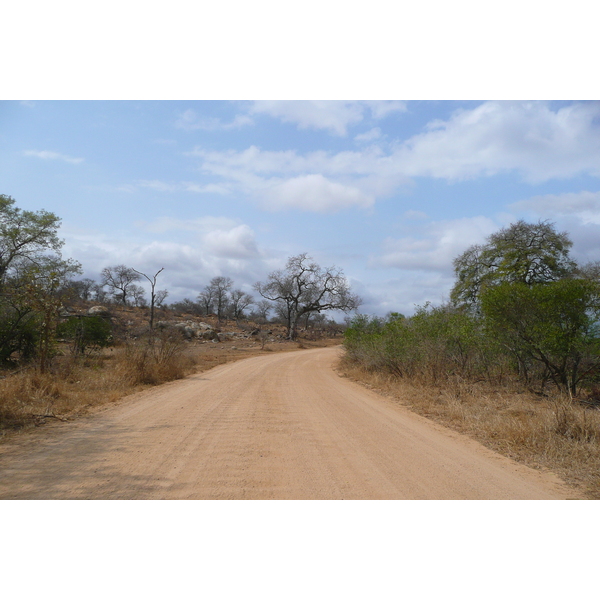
<point>155,359</point>
<point>86,333</point>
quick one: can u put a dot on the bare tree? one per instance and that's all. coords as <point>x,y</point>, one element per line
<point>304,287</point>
<point>186,306</point>
<point>220,286</point>
<point>160,297</point>
<point>138,295</point>
<point>152,292</point>
<point>238,302</point>
<point>81,288</point>
<point>263,308</point>
<point>119,280</point>
<point>206,299</point>
<point>99,293</point>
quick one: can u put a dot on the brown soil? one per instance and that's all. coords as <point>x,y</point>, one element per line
<point>276,426</point>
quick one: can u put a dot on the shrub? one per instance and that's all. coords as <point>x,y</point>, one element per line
<point>86,333</point>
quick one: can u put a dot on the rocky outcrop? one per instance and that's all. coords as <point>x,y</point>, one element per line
<point>190,330</point>
<point>98,311</point>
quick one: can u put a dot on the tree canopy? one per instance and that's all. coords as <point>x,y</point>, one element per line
<point>24,235</point>
<point>529,253</point>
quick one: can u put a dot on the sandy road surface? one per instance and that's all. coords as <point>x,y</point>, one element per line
<point>277,426</point>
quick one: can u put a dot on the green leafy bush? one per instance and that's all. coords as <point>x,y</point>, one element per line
<point>86,333</point>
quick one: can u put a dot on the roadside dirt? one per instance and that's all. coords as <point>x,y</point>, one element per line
<point>280,426</point>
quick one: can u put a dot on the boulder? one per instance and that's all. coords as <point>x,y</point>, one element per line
<point>210,334</point>
<point>98,311</point>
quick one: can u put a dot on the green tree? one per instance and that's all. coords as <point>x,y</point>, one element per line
<point>555,324</point>
<point>86,333</point>
<point>24,235</point>
<point>530,253</point>
<point>44,290</point>
<point>32,274</point>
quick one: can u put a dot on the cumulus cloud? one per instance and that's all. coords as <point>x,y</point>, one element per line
<point>577,213</point>
<point>334,116</point>
<point>238,242</point>
<point>585,205</point>
<point>220,237</point>
<point>495,137</point>
<point>47,155</point>
<point>382,108</point>
<point>529,138</point>
<point>369,136</point>
<point>314,193</point>
<point>440,243</point>
<point>221,247</point>
<point>189,120</point>
<point>345,179</point>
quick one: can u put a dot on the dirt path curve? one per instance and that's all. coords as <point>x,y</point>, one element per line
<point>277,426</point>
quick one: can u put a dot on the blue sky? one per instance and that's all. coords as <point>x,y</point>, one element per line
<point>390,191</point>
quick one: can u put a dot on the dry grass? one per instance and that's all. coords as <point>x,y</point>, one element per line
<point>74,386</point>
<point>556,434</point>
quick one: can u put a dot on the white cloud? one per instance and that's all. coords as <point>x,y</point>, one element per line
<point>220,237</point>
<point>47,155</point>
<point>496,137</point>
<point>577,213</point>
<point>314,193</point>
<point>209,188</point>
<point>369,136</point>
<point>585,205</point>
<point>223,247</point>
<point>238,242</point>
<point>190,121</point>
<point>185,186</point>
<point>382,108</point>
<point>334,116</point>
<point>341,180</point>
<point>440,244</point>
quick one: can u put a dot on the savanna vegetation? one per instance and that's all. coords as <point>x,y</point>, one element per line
<point>513,358</point>
<point>68,343</point>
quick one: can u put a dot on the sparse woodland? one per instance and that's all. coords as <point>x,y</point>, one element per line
<point>68,341</point>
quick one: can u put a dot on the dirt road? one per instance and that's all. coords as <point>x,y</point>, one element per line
<point>281,426</point>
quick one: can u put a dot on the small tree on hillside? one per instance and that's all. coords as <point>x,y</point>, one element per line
<point>219,288</point>
<point>119,280</point>
<point>239,301</point>
<point>206,300</point>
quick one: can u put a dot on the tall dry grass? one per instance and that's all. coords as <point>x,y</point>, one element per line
<point>74,384</point>
<point>555,433</point>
